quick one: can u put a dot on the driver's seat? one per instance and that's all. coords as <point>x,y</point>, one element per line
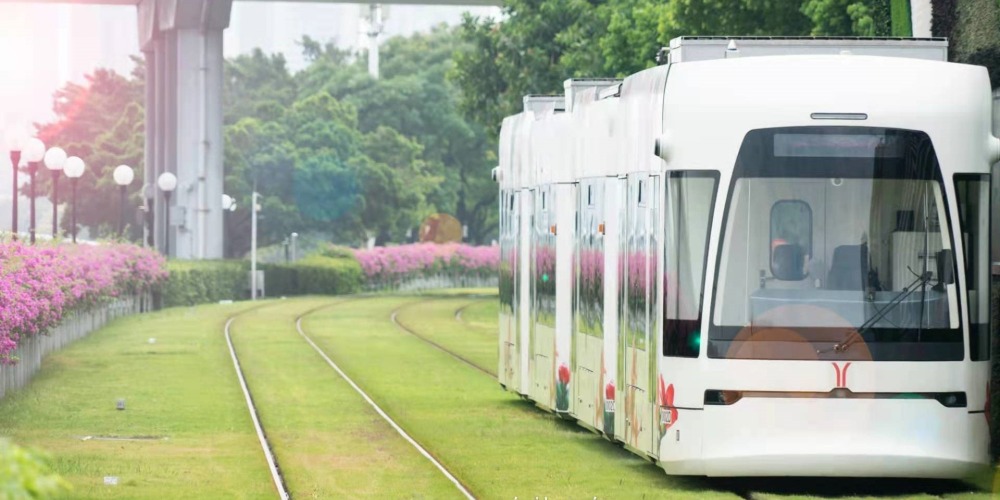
<point>849,268</point>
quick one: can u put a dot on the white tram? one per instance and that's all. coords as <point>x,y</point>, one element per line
<point>758,266</point>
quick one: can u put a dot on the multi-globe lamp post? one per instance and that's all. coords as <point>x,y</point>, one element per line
<point>55,159</point>
<point>123,175</point>
<point>167,182</point>
<point>73,167</point>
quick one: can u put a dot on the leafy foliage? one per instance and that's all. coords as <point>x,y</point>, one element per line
<point>331,150</point>
<point>28,474</point>
<point>101,122</point>
<point>541,43</point>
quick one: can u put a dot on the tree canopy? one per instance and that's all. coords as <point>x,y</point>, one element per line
<point>331,149</point>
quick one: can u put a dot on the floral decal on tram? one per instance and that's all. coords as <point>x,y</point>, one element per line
<point>562,388</point>
<point>609,408</point>
<point>666,413</point>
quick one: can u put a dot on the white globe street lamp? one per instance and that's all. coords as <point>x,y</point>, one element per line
<point>34,151</point>
<point>123,176</point>
<point>73,167</point>
<point>54,160</point>
<point>16,139</point>
<point>167,182</point>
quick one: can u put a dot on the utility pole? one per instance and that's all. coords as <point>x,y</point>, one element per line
<point>375,28</point>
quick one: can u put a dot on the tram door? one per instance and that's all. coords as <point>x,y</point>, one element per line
<point>637,310</point>
<point>543,294</point>
<point>509,281</point>
<point>588,310</point>
<point>523,298</point>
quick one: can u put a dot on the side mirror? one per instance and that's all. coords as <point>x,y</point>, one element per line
<point>946,267</point>
<point>788,262</point>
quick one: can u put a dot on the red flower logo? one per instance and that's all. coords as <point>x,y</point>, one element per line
<point>609,391</point>
<point>564,374</point>
<point>666,397</point>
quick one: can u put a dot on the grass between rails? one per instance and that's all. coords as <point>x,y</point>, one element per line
<point>482,316</point>
<point>182,388</point>
<point>328,442</point>
<point>499,445</point>
<point>435,320</point>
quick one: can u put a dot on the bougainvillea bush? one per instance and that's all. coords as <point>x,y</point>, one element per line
<point>390,266</point>
<point>41,284</point>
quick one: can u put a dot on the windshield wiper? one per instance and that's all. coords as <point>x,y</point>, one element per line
<point>853,338</point>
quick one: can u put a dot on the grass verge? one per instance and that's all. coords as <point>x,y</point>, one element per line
<point>181,391</point>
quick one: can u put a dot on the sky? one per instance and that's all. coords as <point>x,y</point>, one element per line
<point>42,46</point>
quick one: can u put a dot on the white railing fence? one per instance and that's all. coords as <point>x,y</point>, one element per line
<point>434,282</point>
<point>74,326</point>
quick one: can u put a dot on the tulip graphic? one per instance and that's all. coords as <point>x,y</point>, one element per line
<point>562,388</point>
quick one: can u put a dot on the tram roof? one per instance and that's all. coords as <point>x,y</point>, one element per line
<point>703,109</point>
<point>709,106</point>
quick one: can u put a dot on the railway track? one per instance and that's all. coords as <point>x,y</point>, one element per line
<point>459,485</point>
<point>393,316</point>
<point>272,462</point>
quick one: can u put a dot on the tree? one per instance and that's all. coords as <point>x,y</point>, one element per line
<point>540,43</point>
<point>101,121</point>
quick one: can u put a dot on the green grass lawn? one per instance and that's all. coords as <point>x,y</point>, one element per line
<point>328,442</point>
<point>182,390</point>
<point>482,316</point>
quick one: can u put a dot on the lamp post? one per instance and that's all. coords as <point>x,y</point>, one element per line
<point>228,205</point>
<point>253,243</point>
<point>15,143</point>
<point>73,167</point>
<point>34,151</point>
<point>167,182</point>
<point>55,158</point>
<point>123,176</point>
<point>295,238</point>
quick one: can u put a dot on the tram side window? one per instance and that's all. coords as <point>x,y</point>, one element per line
<point>688,218</point>
<point>973,193</point>
<point>791,239</point>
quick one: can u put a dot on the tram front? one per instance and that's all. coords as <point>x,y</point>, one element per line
<point>847,314</point>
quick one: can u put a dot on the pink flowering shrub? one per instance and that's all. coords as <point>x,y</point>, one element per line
<point>40,284</point>
<point>385,266</point>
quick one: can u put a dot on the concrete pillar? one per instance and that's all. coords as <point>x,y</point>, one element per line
<point>185,127</point>
<point>214,216</point>
<point>149,153</point>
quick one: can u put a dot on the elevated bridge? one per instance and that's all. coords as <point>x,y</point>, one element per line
<point>181,41</point>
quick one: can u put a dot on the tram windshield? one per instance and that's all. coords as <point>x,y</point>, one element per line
<point>836,245</point>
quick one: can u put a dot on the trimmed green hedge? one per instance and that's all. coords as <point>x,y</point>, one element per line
<point>317,275</point>
<point>200,282</point>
